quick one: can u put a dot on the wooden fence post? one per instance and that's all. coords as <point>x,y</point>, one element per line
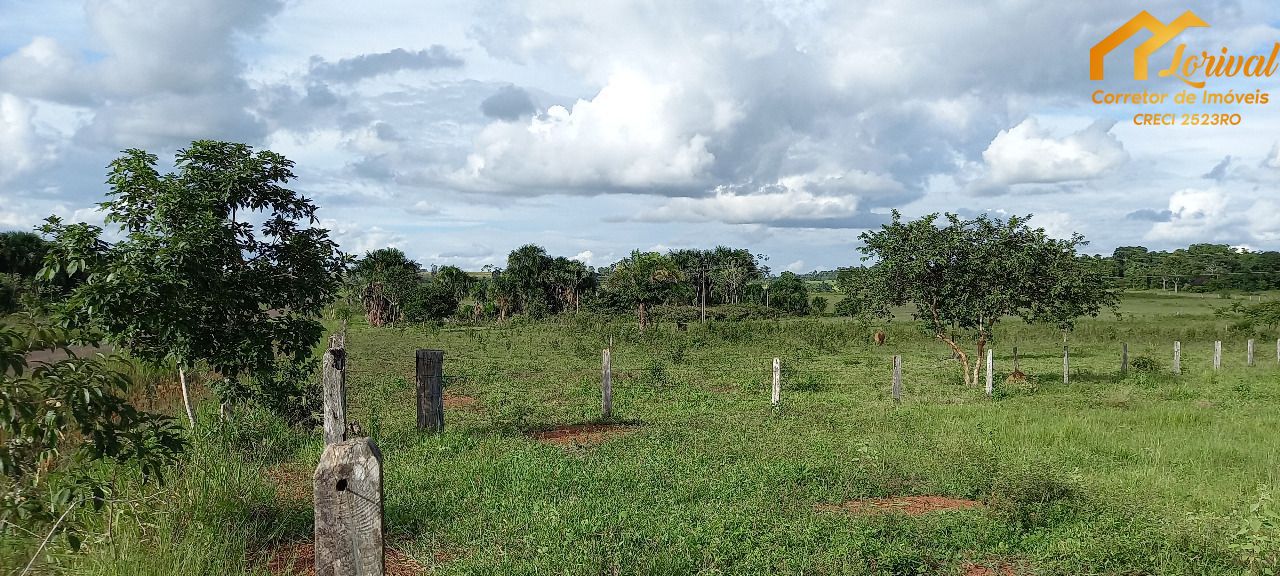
<point>1015,359</point>
<point>1066,365</point>
<point>606,387</point>
<point>348,510</point>
<point>1251,351</point>
<point>430,368</point>
<point>1177,357</point>
<point>1124,357</point>
<point>897,378</point>
<point>990,381</point>
<point>333,378</point>
<point>777,382</point>
<point>1217,354</point>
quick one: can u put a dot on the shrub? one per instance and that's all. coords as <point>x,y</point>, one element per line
<point>1256,541</point>
<point>1033,496</point>
<point>1145,364</point>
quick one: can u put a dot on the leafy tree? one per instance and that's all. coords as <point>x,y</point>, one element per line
<point>194,279</point>
<point>642,280</point>
<point>21,256</point>
<point>59,420</point>
<point>789,294</point>
<point>971,273</point>
<point>454,281</point>
<point>387,279</point>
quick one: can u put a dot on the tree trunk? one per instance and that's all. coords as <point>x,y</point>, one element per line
<point>186,395</point>
<point>964,359</point>
<point>982,348</point>
<point>640,313</point>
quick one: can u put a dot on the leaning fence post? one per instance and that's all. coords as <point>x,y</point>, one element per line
<point>897,378</point>
<point>1124,357</point>
<point>429,369</point>
<point>1177,357</point>
<point>990,382</point>
<point>348,510</point>
<point>1251,351</point>
<point>606,387</point>
<point>1066,365</point>
<point>333,378</point>
<point>1217,354</point>
<point>777,382</point>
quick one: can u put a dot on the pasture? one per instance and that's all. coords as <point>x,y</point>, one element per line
<point>1141,472</point>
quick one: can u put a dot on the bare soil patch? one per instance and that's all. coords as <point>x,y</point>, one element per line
<point>971,569</point>
<point>299,559</point>
<point>909,505</point>
<point>459,401</point>
<point>582,434</point>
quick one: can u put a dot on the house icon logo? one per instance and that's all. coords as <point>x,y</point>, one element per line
<point>1161,34</point>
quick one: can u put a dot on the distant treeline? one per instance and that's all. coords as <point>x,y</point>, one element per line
<point>1197,268</point>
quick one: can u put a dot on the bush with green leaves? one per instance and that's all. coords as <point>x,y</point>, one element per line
<point>1256,540</point>
<point>61,423</point>
<point>1145,364</point>
<point>193,279</point>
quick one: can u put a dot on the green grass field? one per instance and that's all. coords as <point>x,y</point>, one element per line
<point>1135,473</point>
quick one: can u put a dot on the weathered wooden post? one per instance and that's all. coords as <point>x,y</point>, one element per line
<point>1066,365</point>
<point>1250,358</point>
<point>1124,357</point>
<point>430,368</point>
<point>333,378</point>
<point>1217,354</point>
<point>897,378</point>
<point>990,381</point>
<point>777,382</point>
<point>1177,357</point>
<point>348,510</point>
<point>606,387</point>
<point>1015,359</point>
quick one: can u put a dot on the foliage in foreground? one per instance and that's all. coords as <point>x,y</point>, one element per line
<point>59,422</point>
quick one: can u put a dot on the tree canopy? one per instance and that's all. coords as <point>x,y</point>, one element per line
<point>969,274</point>
<point>219,263</point>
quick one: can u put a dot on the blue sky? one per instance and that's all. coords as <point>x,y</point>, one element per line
<point>460,130</point>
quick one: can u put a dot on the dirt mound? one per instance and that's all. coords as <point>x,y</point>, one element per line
<point>299,558</point>
<point>909,505</point>
<point>582,434</point>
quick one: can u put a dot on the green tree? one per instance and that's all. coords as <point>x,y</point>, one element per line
<point>789,294</point>
<point>969,274</point>
<point>194,279</point>
<point>643,280</point>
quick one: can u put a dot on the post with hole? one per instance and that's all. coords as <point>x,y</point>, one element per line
<point>429,373</point>
<point>333,379</point>
<point>1177,357</point>
<point>777,383</point>
<point>1217,354</point>
<point>897,378</point>
<point>348,510</point>
<point>606,387</point>
<point>990,376</point>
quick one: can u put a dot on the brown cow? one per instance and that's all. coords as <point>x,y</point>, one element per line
<point>879,338</point>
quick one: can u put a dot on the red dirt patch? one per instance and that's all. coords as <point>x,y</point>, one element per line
<point>458,401</point>
<point>582,434</point>
<point>299,558</point>
<point>909,505</point>
<point>971,569</point>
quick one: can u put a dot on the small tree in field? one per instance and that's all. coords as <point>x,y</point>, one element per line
<point>969,274</point>
<point>219,263</point>
<point>642,280</point>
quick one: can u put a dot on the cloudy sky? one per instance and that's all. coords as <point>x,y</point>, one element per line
<point>460,130</point>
